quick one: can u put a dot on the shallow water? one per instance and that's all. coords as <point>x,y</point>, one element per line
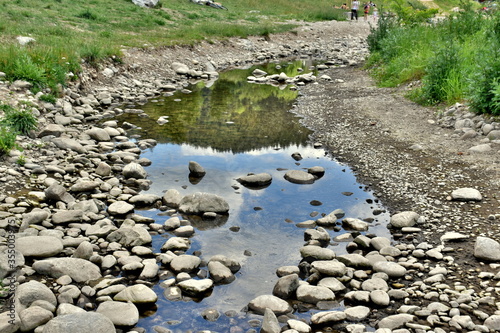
<point>231,128</point>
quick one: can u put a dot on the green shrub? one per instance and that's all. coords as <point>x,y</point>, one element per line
<point>7,139</point>
<point>20,121</point>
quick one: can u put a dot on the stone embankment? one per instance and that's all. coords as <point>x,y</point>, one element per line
<point>82,254</point>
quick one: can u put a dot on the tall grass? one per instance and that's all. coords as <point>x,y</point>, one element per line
<point>456,59</point>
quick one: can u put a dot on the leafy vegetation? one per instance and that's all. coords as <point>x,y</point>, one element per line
<point>455,58</point>
<point>14,122</point>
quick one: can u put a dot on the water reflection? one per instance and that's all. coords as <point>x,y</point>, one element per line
<point>260,230</point>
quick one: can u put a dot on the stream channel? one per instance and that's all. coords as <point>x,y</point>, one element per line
<point>232,127</point>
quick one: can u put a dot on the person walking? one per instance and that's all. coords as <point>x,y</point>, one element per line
<point>354,9</point>
<point>366,9</point>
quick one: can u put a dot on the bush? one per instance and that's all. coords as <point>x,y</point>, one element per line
<point>19,121</point>
<point>7,139</point>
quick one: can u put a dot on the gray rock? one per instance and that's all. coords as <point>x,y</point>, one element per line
<point>39,246</point>
<point>354,224</point>
<point>83,322</point>
<point>185,263</point>
<point>329,267</point>
<point>332,283</point>
<point>256,180</point>
<point>316,252</point>
<point>314,294</point>
<point>392,269</point>
<point>220,273</point>
<point>36,216</point>
<point>67,216</point>
<point>69,144</point>
<point>84,251</point>
<point>32,291</point>
<point>33,317</point>
<point>395,321</point>
<point>232,264</point>
<point>286,286</point>
<point>357,313</point>
<point>101,228</point>
<point>404,219</point>
<point>355,260</point>
<point>176,243</point>
<point>79,270</point>
<point>51,129</point>
<point>120,313</point>
<point>9,323</point>
<point>103,169</point>
<point>56,192</point>
<point>487,249</point>
<point>134,170</point>
<point>137,294</point>
<point>380,298</point>
<point>270,323</point>
<point>84,186</point>
<point>379,242</point>
<point>9,264</point>
<point>130,235</point>
<point>299,177</point>
<point>144,199</point>
<point>195,169</point>
<point>374,284</point>
<point>172,198</point>
<point>275,304</point>
<point>98,134</point>
<point>493,322</point>
<point>319,234</point>
<point>466,194</point>
<point>120,208</point>
<point>196,287</point>
<point>325,317</point>
<point>199,203</point>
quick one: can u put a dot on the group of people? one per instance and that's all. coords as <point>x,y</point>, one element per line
<point>355,5</point>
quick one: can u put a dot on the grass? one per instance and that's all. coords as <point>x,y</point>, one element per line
<point>454,59</point>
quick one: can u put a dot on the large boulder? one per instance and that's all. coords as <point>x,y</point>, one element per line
<point>79,270</point>
<point>487,249</point>
<point>199,203</point>
<point>39,246</point>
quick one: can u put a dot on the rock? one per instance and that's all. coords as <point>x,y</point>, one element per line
<point>32,291</point>
<point>196,170</point>
<point>39,246</point>
<point>98,134</point>
<point>357,313</point>
<point>329,267</point>
<point>270,323</point>
<point>392,269</point>
<point>380,298</point>
<point>275,304</point>
<point>82,322</point>
<point>67,216</point>
<point>299,177</point>
<point>232,264</point>
<point>9,323</point>
<point>33,317</point>
<point>172,198</point>
<point>355,260</point>
<point>332,283</point>
<point>56,192</point>
<point>404,219</point>
<point>130,235</point>
<point>298,326</point>
<point>134,170</point>
<point>354,224</point>
<point>84,251</point>
<point>120,313</point>
<point>196,287</point>
<point>220,273</point>
<point>137,294</point>
<point>84,186</point>
<point>199,203</point>
<point>185,263</point>
<point>453,237</point>
<point>144,200</point>
<point>286,286</point>
<point>22,40</point>
<point>51,129</point>
<point>466,194</point>
<point>178,67</point>
<point>314,294</point>
<point>120,208</point>
<point>322,318</point>
<point>492,322</point>
<point>9,264</point>
<point>259,180</point>
<point>69,144</point>
<point>79,270</point>
<point>316,252</point>
<point>395,321</point>
<point>487,249</point>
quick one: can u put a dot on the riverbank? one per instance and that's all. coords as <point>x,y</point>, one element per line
<point>396,147</point>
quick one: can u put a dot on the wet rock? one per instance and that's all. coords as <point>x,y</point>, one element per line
<point>79,270</point>
<point>220,273</point>
<point>316,171</point>
<point>39,246</point>
<point>210,314</point>
<point>120,313</point>
<point>185,263</point>
<point>299,177</point>
<point>270,323</point>
<point>275,304</point>
<point>172,198</point>
<point>286,286</point>
<point>259,180</point>
<point>487,249</point>
<point>195,169</point>
<point>466,194</point>
<point>196,287</point>
<point>232,264</point>
<point>199,203</point>
<point>83,322</point>
<point>137,294</point>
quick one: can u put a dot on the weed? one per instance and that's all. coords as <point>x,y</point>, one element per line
<point>21,160</point>
<point>7,139</point>
<point>88,15</point>
<point>20,121</point>
<point>48,98</point>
